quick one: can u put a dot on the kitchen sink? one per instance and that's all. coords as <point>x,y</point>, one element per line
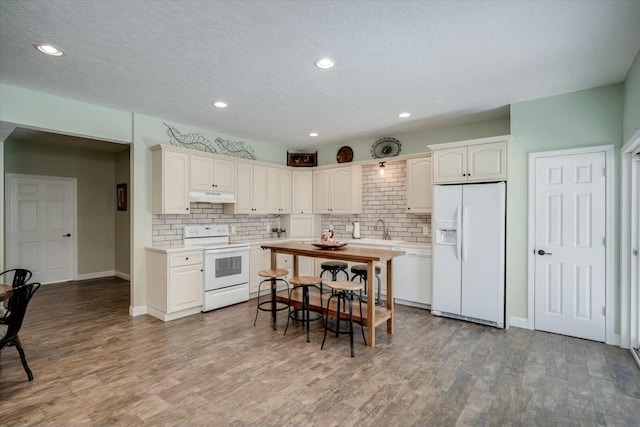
<point>376,242</point>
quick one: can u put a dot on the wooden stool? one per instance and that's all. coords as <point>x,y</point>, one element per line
<point>344,291</point>
<point>334,268</point>
<point>360,271</point>
<point>304,282</point>
<point>273,276</point>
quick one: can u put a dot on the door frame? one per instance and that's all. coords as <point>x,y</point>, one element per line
<point>629,295</point>
<point>608,150</point>
<point>74,241</point>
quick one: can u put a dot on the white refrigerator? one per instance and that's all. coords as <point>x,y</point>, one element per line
<point>468,269</point>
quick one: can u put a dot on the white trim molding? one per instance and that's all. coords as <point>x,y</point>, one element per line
<point>519,322</point>
<point>610,336</point>
<point>629,294</point>
<point>95,275</point>
<point>122,275</point>
<point>137,310</point>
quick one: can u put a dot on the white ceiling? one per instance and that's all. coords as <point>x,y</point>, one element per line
<point>445,62</point>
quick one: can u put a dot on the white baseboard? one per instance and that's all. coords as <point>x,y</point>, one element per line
<point>165,317</point>
<point>95,275</point>
<point>616,340</point>
<point>519,322</point>
<point>137,310</point>
<point>122,275</point>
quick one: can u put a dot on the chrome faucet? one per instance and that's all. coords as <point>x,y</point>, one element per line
<point>385,230</point>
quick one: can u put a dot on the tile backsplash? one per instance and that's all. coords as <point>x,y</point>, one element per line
<point>383,196</point>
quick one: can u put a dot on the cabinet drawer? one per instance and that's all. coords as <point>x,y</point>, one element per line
<point>284,261</point>
<point>185,258</point>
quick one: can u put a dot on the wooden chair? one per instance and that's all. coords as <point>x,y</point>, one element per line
<point>18,301</point>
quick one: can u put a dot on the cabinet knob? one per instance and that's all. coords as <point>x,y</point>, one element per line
<point>408,208</point>
<point>187,258</point>
<point>187,208</point>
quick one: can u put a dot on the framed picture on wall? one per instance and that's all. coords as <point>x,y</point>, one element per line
<point>302,159</point>
<point>121,197</point>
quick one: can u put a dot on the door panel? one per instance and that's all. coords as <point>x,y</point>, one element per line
<point>569,278</point>
<point>447,269</point>
<point>40,226</point>
<point>483,240</point>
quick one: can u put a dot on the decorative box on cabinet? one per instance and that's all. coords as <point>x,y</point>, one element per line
<point>209,173</point>
<point>251,194</point>
<point>470,161</point>
<point>338,190</point>
<point>419,188</point>
<point>170,180</point>
<point>174,283</point>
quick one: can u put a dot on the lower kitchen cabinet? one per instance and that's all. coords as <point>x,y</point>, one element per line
<point>174,283</point>
<point>260,259</point>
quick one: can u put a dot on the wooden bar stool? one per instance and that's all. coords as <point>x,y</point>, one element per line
<point>304,282</point>
<point>360,271</point>
<point>273,276</point>
<point>344,291</point>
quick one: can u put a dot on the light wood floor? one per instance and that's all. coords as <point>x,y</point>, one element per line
<point>95,365</point>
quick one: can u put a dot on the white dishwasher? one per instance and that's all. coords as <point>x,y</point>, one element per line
<point>412,277</point>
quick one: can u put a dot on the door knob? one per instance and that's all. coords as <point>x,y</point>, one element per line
<point>542,252</point>
<point>66,235</point>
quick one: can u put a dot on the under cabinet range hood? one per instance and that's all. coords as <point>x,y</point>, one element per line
<point>211,197</point>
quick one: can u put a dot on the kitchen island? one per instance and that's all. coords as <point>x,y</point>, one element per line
<point>374,315</point>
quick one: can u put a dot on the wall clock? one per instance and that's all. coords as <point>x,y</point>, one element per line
<point>385,147</point>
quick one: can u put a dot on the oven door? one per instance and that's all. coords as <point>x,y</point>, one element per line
<point>225,267</point>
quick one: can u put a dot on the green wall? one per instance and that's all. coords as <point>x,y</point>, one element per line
<point>416,142</point>
<point>122,218</point>
<point>631,120</point>
<point>94,171</point>
<point>587,118</point>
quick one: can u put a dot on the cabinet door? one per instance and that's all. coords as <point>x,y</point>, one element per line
<point>419,188</point>
<point>450,165</point>
<point>259,189</point>
<point>224,172</point>
<point>175,186</point>
<point>341,191</point>
<point>201,173</point>
<point>322,191</point>
<point>285,191</point>
<point>185,287</point>
<point>255,265</point>
<point>487,162</point>
<point>273,190</point>
<point>244,197</point>
<point>302,189</point>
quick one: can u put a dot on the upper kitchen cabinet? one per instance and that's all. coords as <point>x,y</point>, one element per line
<point>338,190</point>
<point>278,191</point>
<point>251,194</point>
<point>209,173</point>
<point>419,189</point>
<point>302,190</point>
<point>170,180</point>
<point>470,161</point>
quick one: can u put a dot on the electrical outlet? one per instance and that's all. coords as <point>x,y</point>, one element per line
<point>267,228</point>
<point>425,231</point>
<point>233,229</point>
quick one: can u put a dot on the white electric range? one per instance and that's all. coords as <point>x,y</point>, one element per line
<point>226,265</point>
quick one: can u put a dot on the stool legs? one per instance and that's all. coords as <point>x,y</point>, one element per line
<point>346,298</point>
<point>274,287</point>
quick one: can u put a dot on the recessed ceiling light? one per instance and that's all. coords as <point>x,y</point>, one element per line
<point>48,49</point>
<point>404,115</point>
<point>325,63</point>
<point>220,104</point>
<point>313,134</point>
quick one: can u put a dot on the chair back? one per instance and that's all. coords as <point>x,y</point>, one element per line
<point>11,304</point>
<point>20,276</point>
<point>19,301</point>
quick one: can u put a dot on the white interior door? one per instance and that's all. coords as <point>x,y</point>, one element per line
<point>635,247</point>
<point>41,226</point>
<point>569,242</point>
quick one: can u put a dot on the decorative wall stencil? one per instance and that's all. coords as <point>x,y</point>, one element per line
<point>197,141</point>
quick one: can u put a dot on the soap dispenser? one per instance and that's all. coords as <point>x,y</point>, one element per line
<point>356,230</point>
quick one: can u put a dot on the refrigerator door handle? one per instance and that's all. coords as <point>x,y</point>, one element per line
<point>458,233</point>
<point>465,230</point>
